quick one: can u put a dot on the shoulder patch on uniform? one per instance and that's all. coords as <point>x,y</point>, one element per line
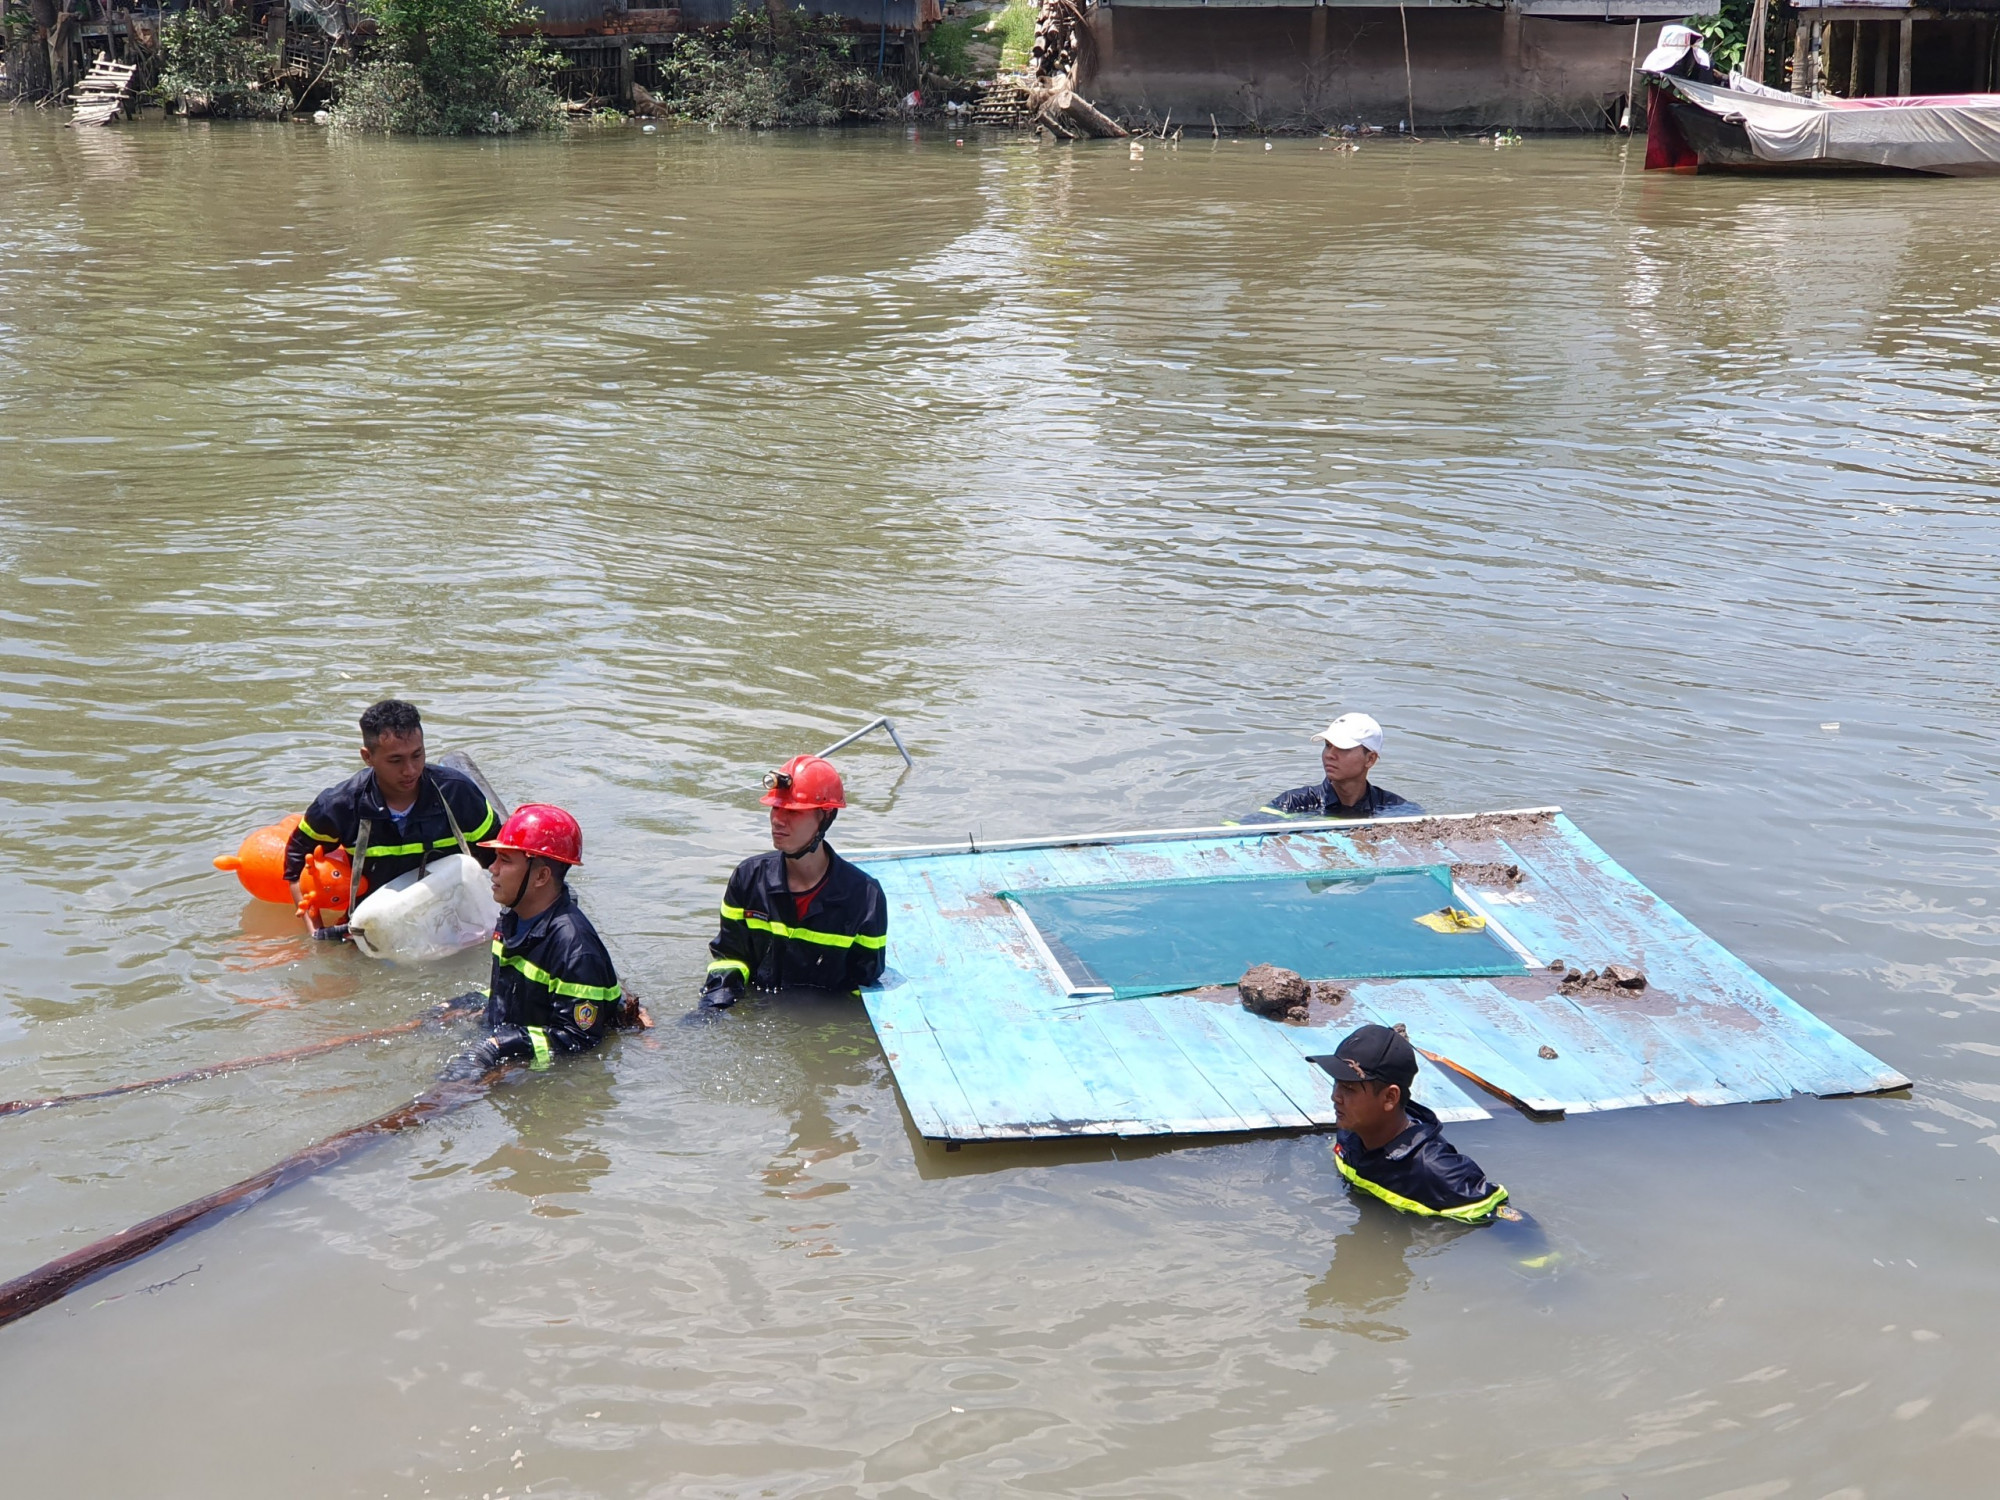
<point>586,1015</point>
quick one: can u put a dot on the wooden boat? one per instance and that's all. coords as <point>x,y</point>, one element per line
<point>1698,121</point>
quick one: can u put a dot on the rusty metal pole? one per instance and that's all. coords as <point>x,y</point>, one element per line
<point>1409,86</point>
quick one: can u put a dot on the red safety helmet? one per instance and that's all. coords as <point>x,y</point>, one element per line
<point>543,830</point>
<point>804,782</point>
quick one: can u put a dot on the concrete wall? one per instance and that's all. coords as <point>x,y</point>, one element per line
<point>1330,65</point>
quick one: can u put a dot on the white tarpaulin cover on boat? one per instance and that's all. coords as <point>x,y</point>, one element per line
<point>1957,134</point>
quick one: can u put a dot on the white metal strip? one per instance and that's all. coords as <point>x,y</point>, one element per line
<point>1164,835</point>
<point>1048,958</point>
<point>1494,926</point>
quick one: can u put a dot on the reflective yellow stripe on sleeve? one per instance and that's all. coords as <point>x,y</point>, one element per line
<point>1465,1213</point>
<point>724,965</point>
<point>602,993</point>
<point>379,851</point>
<point>731,913</point>
<point>475,835</point>
<point>807,935</point>
<point>1477,1213</point>
<point>539,1040</point>
<point>315,835</point>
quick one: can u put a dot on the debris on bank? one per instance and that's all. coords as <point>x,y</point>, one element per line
<point>104,94</point>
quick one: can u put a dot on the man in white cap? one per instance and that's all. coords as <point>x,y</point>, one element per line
<point>1681,53</point>
<point>1349,748</point>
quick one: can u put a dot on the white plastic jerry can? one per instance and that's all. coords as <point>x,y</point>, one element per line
<point>437,911</point>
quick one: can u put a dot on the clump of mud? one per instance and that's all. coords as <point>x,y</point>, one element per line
<point>1611,980</point>
<point>1281,994</point>
<point>1492,876</point>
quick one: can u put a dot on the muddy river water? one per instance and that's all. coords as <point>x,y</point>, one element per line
<point>641,462</point>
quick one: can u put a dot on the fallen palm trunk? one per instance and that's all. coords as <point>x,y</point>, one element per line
<point>433,1016</point>
<point>1065,51</point>
<point>46,1284</point>
<point>1069,115</point>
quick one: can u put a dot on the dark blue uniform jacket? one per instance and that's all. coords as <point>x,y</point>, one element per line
<point>554,988</point>
<point>1320,801</point>
<point>1420,1172</point>
<point>839,943</point>
<point>335,817</point>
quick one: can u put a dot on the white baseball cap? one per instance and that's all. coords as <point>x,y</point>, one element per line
<point>1351,730</point>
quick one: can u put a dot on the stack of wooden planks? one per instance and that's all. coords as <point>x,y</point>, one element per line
<point>102,95</point>
<point>1005,102</point>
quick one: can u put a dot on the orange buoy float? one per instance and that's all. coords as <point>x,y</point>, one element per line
<point>323,886</point>
<point>259,861</point>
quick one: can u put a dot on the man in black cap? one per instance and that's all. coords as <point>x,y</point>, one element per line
<point>1387,1144</point>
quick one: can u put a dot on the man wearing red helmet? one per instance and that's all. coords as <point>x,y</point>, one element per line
<point>800,916</point>
<point>554,988</point>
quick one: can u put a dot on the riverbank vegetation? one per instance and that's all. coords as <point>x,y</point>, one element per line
<point>448,67</point>
<point>215,65</point>
<point>41,48</point>
<point>461,67</point>
<point>1726,33</point>
<point>1014,30</point>
<point>766,70</point>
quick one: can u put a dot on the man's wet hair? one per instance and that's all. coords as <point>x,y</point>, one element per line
<point>392,717</point>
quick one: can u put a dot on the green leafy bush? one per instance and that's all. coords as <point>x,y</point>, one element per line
<point>1726,33</point>
<point>447,67</point>
<point>216,65</point>
<point>797,69</point>
<point>1014,28</point>
<point>958,49</point>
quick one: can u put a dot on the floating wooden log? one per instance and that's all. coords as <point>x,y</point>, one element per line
<point>46,1284</point>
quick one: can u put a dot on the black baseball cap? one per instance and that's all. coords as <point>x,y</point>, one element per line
<point>1372,1054</point>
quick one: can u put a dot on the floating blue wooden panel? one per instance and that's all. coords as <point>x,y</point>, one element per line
<point>987,1039</point>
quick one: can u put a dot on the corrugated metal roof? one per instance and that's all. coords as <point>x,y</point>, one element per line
<point>988,1040</point>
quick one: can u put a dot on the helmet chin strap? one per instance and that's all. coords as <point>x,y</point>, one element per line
<point>527,874</point>
<point>818,838</point>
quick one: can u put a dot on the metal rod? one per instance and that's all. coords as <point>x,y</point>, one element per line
<point>869,727</point>
<point>1163,835</point>
<point>1409,87</point>
<point>1631,80</point>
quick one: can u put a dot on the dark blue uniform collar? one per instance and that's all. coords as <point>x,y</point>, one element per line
<point>372,805</point>
<point>514,934</point>
<point>1329,799</point>
<point>1423,1126</point>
